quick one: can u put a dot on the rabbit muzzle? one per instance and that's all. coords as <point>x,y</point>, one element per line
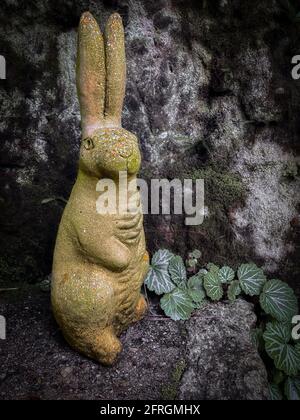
<point>125,150</point>
<point>109,151</point>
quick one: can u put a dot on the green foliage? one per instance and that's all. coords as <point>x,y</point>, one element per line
<point>292,388</point>
<point>177,304</point>
<point>278,300</point>
<point>234,289</point>
<point>213,268</point>
<point>177,271</point>
<point>257,336</point>
<point>226,274</point>
<point>193,260</point>
<point>275,393</point>
<point>251,279</point>
<point>183,293</point>
<point>224,188</point>
<point>45,285</point>
<point>195,288</point>
<point>285,356</point>
<point>213,285</point>
<point>196,254</point>
<point>158,278</point>
<point>278,376</point>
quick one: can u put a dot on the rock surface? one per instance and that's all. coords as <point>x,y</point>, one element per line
<point>209,94</point>
<point>221,360</point>
<point>209,356</point>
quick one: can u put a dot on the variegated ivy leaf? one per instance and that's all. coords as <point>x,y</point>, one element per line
<point>177,304</point>
<point>234,290</point>
<point>213,268</point>
<point>195,288</point>
<point>196,254</point>
<point>177,271</point>
<point>285,356</point>
<point>275,393</point>
<point>292,388</point>
<point>279,300</point>
<point>278,375</point>
<point>201,273</point>
<point>200,305</point>
<point>158,278</point>
<point>191,262</point>
<point>226,274</point>
<point>213,285</point>
<point>252,279</point>
<point>257,338</point>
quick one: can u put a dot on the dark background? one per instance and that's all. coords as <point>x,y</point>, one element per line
<point>210,95</point>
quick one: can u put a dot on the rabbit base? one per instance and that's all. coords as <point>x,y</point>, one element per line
<point>102,345</point>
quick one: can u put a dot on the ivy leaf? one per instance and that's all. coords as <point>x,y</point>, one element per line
<point>195,288</point>
<point>234,290</point>
<point>158,278</point>
<point>285,356</point>
<point>200,305</point>
<point>292,388</point>
<point>275,393</point>
<point>279,300</point>
<point>252,279</point>
<point>177,271</point>
<point>258,339</point>
<point>177,304</point>
<point>213,285</point>
<point>202,272</point>
<point>226,274</point>
<point>278,377</point>
<point>196,254</point>
<point>213,268</point>
<point>191,262</point>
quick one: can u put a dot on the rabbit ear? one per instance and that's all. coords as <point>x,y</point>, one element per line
<point>90,74</point>
<point>115,69</point>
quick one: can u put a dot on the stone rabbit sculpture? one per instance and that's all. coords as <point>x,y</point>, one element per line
<point>100,260</point>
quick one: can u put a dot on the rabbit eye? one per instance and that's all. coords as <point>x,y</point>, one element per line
<point>88,143</point>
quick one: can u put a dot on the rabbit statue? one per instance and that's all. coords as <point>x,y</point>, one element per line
<point>100,260</point>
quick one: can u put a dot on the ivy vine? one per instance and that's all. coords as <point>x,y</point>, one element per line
<point>184,289</point>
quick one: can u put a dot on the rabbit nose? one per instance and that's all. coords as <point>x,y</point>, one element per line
<point>125,150</point>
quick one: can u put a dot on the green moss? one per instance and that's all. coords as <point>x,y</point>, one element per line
<point>170,390</point>
<point>221,187</point>
<point>290,171</point>
<point>224,191</point>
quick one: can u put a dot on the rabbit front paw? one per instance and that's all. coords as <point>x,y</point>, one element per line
<point>128,228</point>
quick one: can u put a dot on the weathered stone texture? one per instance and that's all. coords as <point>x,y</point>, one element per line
<point>221,360</point>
